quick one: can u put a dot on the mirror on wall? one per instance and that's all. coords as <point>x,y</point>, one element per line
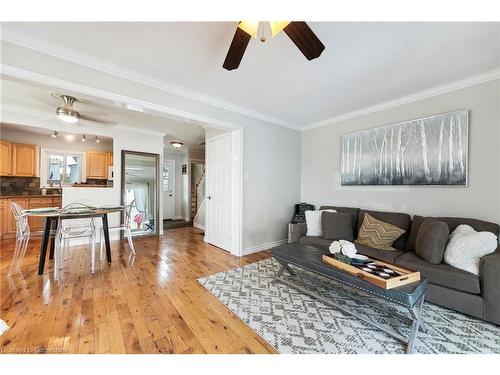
<point>140,177</point>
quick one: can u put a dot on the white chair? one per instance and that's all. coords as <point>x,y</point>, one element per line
<point>122,227</point>
<point>66,231</point>
<point>22,236</point>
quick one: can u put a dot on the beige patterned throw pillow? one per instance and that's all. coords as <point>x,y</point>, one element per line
<point>378,234</point>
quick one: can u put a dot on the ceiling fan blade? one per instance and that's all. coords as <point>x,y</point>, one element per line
<point>237,49</point>
<point>97,120</point>
<point>305,39</point>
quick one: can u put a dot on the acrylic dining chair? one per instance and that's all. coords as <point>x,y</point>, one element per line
<point>22,237</point>
<point>125,226</point>
<point>67,231</point>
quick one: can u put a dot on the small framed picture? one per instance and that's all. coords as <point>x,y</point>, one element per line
<point>184,169</point>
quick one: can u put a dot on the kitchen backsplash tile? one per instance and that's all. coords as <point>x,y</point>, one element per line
<point>20,186</point>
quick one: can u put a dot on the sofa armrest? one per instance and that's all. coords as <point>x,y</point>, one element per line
<point>295,231</point>
<point>489,272</point>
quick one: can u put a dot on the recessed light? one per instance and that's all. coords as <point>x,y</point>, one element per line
<point>70,137</point>
<point>177,144</point>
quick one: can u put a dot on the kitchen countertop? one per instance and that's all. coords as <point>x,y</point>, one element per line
<point>31,196</point>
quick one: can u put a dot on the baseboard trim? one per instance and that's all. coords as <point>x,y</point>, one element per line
<point>263,246</point>
<point>199,226</point>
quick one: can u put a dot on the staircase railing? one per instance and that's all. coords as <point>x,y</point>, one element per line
<point>199,210</point>
<point>196,187</point>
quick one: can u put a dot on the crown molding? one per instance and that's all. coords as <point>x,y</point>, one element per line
<point>79,58</point>
<point>415,97</point>
<point>58,83</point>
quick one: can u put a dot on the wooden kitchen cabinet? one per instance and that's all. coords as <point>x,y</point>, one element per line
<point>5,158</point>
<point>2,217</point>
<point>109,162</point>
<point>25,160</point>
<point>109,159</point>
<point>97,165</point>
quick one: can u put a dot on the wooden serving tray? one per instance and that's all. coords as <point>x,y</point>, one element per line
<point>406,277</point>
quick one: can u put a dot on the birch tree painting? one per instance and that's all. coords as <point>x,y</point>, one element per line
<point>428,151</point>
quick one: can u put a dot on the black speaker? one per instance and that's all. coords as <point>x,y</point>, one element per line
<point>299,215</point>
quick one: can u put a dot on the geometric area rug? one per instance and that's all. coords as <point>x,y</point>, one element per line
<point>294,323</point>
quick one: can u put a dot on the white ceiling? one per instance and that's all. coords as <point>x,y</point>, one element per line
<point>19,97</point>
<point>363,64</point>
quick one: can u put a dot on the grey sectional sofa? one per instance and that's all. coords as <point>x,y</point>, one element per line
<point>459,290</point>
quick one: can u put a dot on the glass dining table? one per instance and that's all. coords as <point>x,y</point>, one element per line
<point>52,217</point>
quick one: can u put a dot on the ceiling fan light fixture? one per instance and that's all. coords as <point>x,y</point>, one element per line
<point>67,115</point>
<point>177,144</point>
<point>250,27</point>
<point>277,26</point>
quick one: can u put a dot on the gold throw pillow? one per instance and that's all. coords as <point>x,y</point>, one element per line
<point>378,234</point>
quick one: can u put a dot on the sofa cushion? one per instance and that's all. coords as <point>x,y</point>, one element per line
<point>466,248</point>
<point>431,240</point>
<point>352,211</point>
<point>337,226</point>
<point>400,220</point>
<point>441,274</point>
<point>316,241</point>
<point>313,221</point>
<point>453,223</point>
<point>377,233</point>
<point>383,255</point>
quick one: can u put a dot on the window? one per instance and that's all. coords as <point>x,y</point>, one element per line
<point>165,178</point>
<point>65,167</point>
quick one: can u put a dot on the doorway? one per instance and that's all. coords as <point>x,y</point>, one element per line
<point>197,184</point>
<point>140,180</point>
<point>168,189</point>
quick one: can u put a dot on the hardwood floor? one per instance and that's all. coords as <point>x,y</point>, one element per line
<point>150,304</point>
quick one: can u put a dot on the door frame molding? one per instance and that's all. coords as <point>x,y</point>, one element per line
<point>171,184</point>
<point>158,186</point>
<point>236,188</point>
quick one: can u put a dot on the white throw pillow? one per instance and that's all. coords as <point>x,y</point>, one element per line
<point>313,221</point>
<point>466,247</point>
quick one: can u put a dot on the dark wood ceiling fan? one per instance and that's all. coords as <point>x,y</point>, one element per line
<point>298,31</point>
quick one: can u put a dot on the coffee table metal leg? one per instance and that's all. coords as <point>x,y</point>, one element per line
<point>278,274</point>
<point>286,267</point>
<point>415,312</point>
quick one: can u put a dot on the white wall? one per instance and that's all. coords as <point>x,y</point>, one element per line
<point>320,183</point>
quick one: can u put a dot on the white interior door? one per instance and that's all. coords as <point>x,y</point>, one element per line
<point>218,190</point>
<point>168,175</point>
